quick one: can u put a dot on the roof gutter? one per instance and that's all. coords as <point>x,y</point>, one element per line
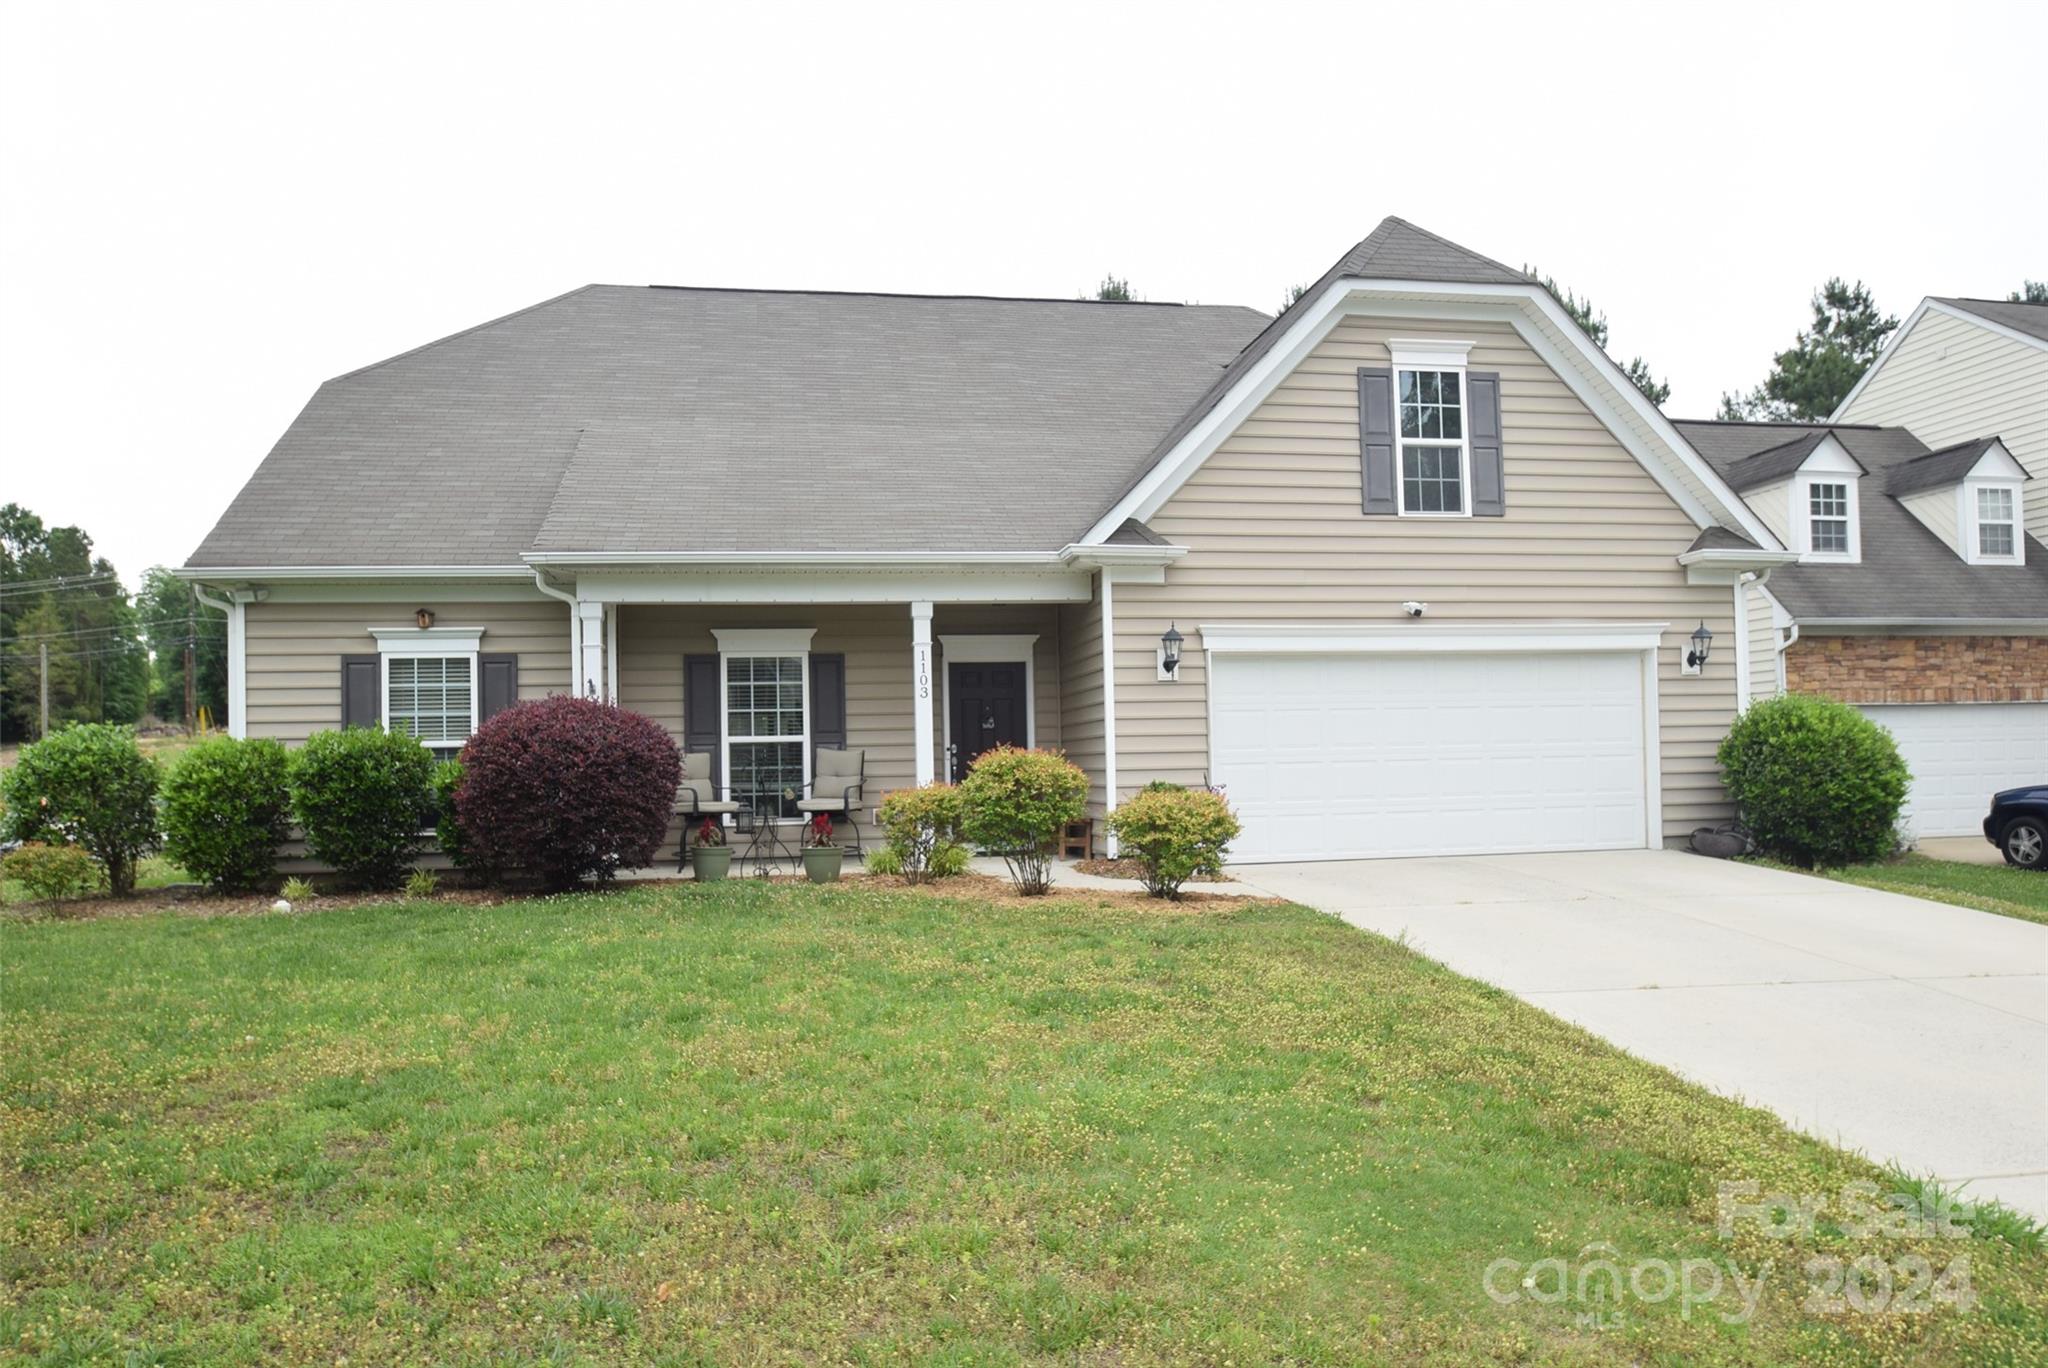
<point>1731,565</point>
<point>222,573</point>
<point>2026,626</point>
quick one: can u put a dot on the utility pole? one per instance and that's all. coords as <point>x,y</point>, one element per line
<point>191,718</point>
<point>43,679</point>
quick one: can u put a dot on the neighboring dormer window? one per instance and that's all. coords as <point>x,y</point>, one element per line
<point>1997,537</point>
<point>1828,509</point>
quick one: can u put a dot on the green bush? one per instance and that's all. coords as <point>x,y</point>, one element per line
<point>448,826</point>
<point>1815,781</point>
<point>50,872</point>
<point>227,808</point>
<point>365,798</point>
<point>296,891</point>
<point>1016,802</point>
<point>422,883</point>
<point>1175,833</point>
<point>919,827</point>
<point>88,785</point>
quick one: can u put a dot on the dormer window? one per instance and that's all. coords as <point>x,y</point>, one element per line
<point>1824,515</point>
<point>1995,523</point>
<point>1828,524</point>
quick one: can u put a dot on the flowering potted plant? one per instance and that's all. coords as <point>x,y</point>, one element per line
<point>710,856</point>
<point>822,854</point>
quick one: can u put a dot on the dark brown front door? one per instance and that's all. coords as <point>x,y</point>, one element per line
<point>988,710</point>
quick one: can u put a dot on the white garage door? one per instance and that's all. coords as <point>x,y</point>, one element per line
<point>1962,753</point>
<point>1354,756</point>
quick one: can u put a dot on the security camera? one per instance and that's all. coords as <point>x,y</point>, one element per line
<point>1414,609</point>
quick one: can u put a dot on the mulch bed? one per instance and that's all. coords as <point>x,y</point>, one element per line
<point>1131,869</point>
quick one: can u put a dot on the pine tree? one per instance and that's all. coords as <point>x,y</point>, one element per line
<point>2030,292</point>
<point>1593,324</point>
<point>1809,381</point>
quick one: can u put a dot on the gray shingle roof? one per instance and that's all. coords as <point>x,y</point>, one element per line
<point>1131,532</point>
<point>1907,574</point>
<point>1775,463</point>
<point>2031,319</point>
<point>1721,539</point>
<point>624,418</point>
<point>1937,468</point>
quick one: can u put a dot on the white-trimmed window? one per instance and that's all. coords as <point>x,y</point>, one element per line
<point>765,674</point>
<point>432,698</point>
<point>1998,535</point>
<point>1432,451</point>
<point>1827,517</point>
<point>431,682</point>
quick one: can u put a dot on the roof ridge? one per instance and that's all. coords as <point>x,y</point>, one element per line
<point>475,328</point>
<point>1986,299</point>
<point>1454,246</point>
<point>908,294</point>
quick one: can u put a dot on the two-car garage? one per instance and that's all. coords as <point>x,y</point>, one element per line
<point>1434,740</point>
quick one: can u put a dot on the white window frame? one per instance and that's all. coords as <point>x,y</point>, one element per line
<point>1802,516</point>
<point>1448,358</point>
<point>1970,521</point>
<point>430,643</point>
<point>749,643</point>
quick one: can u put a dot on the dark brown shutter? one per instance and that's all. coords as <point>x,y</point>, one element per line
<point>701,710</point>
<point>498,688</point>
<point>1376,440</point>
<point>362,690</point>
<point>828,702</point>
<point>1482,417</point>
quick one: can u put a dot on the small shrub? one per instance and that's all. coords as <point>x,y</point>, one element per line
<point>227,808</point>
<point>448,825</point>
<point>50,872</point>
<point>919,827</point>
<point>1815,781</point>
<point>948,862</point>
<point>297,891</point>
<point>1175,833</point>
<point>884,861</point>
<point>422,883</point>
<point>88,785</point>
<point>1016,802</point>
<point>567,788</point>
<point>1163,786</point>
<point>364,797</point>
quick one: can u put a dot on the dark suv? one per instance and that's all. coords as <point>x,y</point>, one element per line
<point>2018,826</point>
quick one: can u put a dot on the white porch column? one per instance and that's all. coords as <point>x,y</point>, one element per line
<point>1108,708</point>
<point>611,652</point>
<point>921,688</point>
<point>589,678</point>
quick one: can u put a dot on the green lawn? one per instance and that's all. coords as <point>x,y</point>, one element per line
<point>2001,888</point>
<point>746,1123</point>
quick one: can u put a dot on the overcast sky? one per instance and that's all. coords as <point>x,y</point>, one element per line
<point>205,211</point>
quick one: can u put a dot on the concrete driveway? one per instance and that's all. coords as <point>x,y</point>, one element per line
<point>1913,1031</point>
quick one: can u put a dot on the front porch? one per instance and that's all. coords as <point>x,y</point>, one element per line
<point>917,688</point>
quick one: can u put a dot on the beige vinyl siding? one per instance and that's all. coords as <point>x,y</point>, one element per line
<point>1937,509</point>
<point>1951,379</point>
<point>295,651</point>
<point>875,639</point>
<point>1763,644</point>
<point>1274,533</point>
<point>1772,504</point>
<point>1081,693</point>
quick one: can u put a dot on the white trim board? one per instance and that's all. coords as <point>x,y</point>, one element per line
<point>971,648</point>
<point>1392,637</point>
<point>427,640</point>
<point>764,641</point>
<point>1536,317</point>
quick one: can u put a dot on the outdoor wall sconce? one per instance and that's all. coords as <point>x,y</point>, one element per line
<point>1702,646</point>
<point>424,617</point>
<point>1169,653</point>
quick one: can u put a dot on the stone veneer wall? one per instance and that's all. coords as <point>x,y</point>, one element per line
<point>1920,669</point>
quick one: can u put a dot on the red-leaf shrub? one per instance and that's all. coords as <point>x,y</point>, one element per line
<point>567,788</point>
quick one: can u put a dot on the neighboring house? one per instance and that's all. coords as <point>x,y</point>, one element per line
<point>784,520</point>
<point>1963,368</point>
<point>1917,596</point>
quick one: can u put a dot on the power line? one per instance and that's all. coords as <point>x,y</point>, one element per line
<point>106,627</point>
<point>56,583</point>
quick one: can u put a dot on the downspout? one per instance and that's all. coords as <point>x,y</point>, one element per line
<point>575,623</point>
<point>1742,686</point>
<point>1108,707</point>
<point>238,657</point>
